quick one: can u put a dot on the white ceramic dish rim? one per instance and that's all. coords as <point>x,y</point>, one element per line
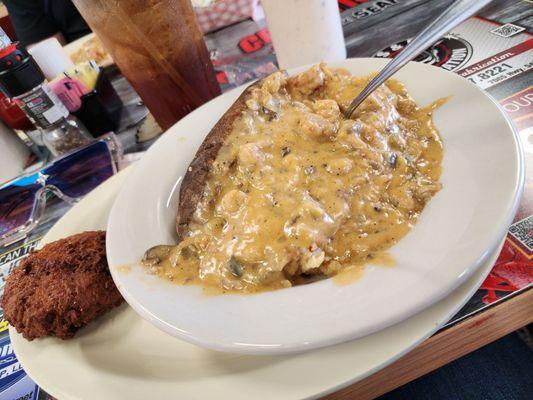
<point>39,368</point>
<point>257,348</point>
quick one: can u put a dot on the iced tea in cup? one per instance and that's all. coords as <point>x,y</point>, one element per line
<point>305,32</point>
<point>158,46</point>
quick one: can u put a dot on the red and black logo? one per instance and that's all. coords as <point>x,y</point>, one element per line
<point>449,53</point>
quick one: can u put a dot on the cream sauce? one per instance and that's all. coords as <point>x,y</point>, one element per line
<point>353,272</point>
<point>299,192</point>
<point>125,269</point>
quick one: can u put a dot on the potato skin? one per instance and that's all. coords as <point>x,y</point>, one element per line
<point>196,176</point>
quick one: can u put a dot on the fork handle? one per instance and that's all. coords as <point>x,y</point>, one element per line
<point>451,17</point>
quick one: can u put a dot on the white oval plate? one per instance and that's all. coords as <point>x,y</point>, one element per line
<point>122,356</point>
<point>482,180</point>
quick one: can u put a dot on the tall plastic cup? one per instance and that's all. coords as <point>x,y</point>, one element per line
<point>159,48</point>
<point>305,32</point>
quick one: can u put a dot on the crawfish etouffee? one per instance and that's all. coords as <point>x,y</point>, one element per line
<point>297,191</point>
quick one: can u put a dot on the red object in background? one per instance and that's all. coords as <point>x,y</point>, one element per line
<point>12,115</point>
<point>222,78</point>
<point>346,4</point>
<point>513,271</point>
<point>256,41</point>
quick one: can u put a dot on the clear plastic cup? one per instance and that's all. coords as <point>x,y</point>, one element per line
<point>160,49</point>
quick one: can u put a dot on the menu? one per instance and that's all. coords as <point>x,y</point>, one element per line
<point>493,50</point>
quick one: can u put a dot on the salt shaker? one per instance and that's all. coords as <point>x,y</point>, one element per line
<point>21,79</point>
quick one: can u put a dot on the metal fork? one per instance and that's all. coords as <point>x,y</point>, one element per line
<point>450,18</point>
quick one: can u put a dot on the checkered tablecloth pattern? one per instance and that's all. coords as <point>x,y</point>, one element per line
<point>222,13</point>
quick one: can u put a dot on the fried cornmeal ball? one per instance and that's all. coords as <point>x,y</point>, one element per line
<point>59,289</point>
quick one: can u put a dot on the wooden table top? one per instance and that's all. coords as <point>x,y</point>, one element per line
<point>447,345</point>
